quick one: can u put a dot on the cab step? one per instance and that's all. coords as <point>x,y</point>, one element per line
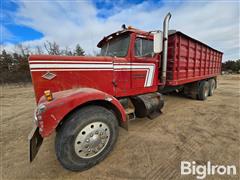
<point>130,113</point>
<point>129,110</point>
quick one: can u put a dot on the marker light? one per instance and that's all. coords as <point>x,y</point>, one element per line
<point>48,95</point>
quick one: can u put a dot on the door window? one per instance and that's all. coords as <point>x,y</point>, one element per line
<point>143,47</point>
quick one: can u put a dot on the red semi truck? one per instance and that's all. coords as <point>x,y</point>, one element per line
<point>86,99</point>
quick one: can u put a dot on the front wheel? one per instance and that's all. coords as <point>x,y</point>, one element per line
<point>86,138</point>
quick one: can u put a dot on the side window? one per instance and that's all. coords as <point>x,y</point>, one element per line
<point>143,47</point>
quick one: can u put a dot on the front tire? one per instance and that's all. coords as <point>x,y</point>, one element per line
<point>86,138</point>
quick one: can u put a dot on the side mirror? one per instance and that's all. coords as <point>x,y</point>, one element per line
<point>157,42</point>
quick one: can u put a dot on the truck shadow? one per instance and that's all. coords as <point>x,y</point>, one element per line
<point>179,95</point>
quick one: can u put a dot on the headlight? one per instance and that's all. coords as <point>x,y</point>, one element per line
<point>38,111</point>
<point>35,115</point>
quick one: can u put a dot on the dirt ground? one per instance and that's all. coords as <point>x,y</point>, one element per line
<point>187,130</point>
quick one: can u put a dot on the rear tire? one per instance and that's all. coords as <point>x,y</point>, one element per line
<point>203,90</point>
<point>86,138</point>
<point>212,86</point>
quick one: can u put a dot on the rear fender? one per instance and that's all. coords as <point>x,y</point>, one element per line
<point>65,102</point>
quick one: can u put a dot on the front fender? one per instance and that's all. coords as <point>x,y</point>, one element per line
<point>65,101</point>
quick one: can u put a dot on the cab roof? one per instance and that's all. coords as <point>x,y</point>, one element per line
<point>124,31</point>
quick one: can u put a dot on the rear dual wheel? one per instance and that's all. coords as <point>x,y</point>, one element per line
<point>203,90</point>
<point>206,88</point>
<point>86,138</point>
<point>212,86</point>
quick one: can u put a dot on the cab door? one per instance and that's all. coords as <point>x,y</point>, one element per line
<point>144,71</point>
<point>121,76</point>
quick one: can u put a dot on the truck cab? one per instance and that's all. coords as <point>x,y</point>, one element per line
<point>135,65</point>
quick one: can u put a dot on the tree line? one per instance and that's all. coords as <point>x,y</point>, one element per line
<point>231,66</point>
<point>14,66</point>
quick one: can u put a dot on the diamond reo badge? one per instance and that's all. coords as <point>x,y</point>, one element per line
<point>49,76</point>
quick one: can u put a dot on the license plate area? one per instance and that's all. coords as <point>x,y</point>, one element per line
<point>35,141</point>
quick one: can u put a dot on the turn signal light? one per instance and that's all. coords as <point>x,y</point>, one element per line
<point>48,95</point>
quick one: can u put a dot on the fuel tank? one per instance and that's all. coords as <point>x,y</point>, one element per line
<point>148,105</point>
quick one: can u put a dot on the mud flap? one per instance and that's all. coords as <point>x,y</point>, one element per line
<point>124,125</point>
<point>35,141</point>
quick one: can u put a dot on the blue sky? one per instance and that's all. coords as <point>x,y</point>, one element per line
<point>12,32</point>
<point>19,33</point>
<point>86,22</point>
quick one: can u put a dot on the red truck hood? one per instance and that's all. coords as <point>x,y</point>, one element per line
<point>58,73</point>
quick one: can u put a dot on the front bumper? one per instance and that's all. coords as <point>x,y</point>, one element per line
<point>35,141</point>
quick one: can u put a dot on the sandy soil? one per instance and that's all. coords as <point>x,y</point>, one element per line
<point>152,149</point>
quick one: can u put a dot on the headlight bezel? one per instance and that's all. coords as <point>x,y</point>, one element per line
<point>38,111</point>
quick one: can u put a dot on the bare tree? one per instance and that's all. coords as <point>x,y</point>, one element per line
<point>23,50</point>
<point>52,48</point>
<point>39,50</point>
<point>67,51</point>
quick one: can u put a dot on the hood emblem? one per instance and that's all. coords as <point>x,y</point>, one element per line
<point>49,76</point>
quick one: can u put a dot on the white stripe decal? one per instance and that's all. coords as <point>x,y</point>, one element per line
<point>85,62</point>
<point>149,68</point>
<point>33,66</point>
<point>38,70</point>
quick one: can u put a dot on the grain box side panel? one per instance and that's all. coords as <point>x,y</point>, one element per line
<point>191,60</point>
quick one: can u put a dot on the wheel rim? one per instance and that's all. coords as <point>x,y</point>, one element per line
<point>213,87</point>
<point>206,91</point>
<point>92,139</point>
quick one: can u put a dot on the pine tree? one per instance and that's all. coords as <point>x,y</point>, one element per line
<point>79,51</point>
<point>6,60</point>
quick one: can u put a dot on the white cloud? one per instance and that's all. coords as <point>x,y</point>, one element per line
<point>68,23</point>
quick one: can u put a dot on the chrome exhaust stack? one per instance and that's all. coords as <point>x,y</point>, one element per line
<point>165,47</point>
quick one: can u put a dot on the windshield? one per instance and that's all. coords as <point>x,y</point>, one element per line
<point>116,47</point>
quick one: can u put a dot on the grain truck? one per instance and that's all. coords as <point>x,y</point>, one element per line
<point>85,99</point>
